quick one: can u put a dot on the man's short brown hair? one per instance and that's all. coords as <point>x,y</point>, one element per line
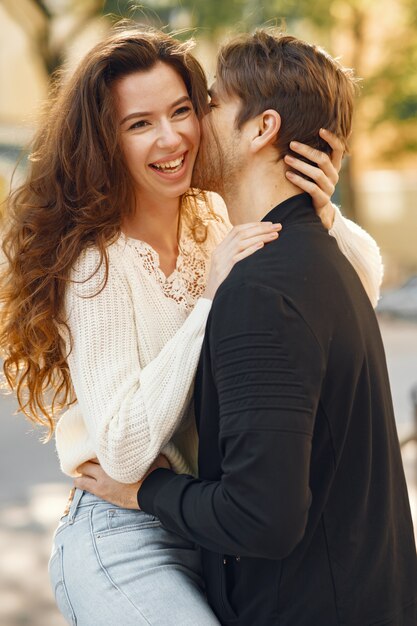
<point>309,89</point>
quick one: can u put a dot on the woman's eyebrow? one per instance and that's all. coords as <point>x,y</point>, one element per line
<point>146,113</point>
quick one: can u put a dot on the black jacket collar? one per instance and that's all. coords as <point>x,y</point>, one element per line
<point>292,209</point>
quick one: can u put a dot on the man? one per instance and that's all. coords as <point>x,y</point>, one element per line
<point>301,508</point>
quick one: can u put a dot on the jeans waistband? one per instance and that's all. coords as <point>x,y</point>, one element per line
<point>79,498</point>
<point>77,494</point>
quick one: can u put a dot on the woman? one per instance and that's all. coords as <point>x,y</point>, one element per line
<point>108,290</point>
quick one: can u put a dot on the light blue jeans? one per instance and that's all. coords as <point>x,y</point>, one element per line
<point>111,566</point>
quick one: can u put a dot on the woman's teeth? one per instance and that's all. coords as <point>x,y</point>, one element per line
<point>170,166</point>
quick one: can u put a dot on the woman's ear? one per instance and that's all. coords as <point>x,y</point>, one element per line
<point>267,128</point>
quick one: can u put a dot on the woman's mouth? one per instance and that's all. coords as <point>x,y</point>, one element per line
<point>169,167</point>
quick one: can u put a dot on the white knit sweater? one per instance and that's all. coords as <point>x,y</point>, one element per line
<point>136,345</point>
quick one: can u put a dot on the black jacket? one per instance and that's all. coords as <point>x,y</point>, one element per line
<point>301,509</point>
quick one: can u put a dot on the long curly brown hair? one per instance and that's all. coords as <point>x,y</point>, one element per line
<point>76,194</point>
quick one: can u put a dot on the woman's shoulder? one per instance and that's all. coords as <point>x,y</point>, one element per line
<point>95,267</point>
<point>92,255</point>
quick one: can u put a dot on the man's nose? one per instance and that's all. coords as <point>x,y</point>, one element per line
<point>169,137</point>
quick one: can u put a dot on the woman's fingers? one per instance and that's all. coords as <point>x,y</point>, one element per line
<point>248,251</point>
<point>321,179</point>
<point>247,231</point>
<point>336,146</point>
<point>320,198</point>
<point>249,242</point>
<point>245,235</point>
<point>322,160</point>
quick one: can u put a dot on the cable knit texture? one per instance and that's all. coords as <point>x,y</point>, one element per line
<point>135,346</point>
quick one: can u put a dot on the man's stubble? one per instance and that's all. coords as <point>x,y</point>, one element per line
<point>218,164</point>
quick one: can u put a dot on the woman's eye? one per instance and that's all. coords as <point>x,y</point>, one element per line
<point>183,110</point>
<point>139,124</point>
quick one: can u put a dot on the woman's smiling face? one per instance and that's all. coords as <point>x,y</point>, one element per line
<point>159,132</point>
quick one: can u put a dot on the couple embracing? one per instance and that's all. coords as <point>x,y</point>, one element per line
<point>174,329</point>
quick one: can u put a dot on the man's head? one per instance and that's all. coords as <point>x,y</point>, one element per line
<point>279,89</point>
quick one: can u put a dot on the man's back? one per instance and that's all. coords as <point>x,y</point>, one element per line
<point>305,380</point>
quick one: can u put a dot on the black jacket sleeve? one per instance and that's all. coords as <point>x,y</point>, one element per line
<point>268,369</point>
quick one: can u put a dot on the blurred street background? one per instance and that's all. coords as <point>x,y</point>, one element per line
<point>378,189</point>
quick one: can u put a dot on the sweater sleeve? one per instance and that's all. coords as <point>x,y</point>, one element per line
<point>259,505</point>
<point>130,412</point>
<point>362,251</point>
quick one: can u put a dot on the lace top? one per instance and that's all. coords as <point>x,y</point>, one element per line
<point>188,280</point>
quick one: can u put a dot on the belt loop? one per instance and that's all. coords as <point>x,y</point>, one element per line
<point>78,494</point>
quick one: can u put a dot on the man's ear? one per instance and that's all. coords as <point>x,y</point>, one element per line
<point>267,128</point>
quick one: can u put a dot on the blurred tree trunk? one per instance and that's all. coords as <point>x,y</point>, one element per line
<point>39,23</point>
<point>349,174</point>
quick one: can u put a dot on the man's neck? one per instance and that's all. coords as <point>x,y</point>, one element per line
<point>258,191</point>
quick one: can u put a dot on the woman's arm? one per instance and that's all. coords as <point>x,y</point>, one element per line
<point>130,412</point>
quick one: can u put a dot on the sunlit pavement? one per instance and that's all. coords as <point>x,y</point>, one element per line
<point>33,493</point>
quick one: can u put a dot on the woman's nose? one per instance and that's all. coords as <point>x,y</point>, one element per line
<point>169,137</point>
